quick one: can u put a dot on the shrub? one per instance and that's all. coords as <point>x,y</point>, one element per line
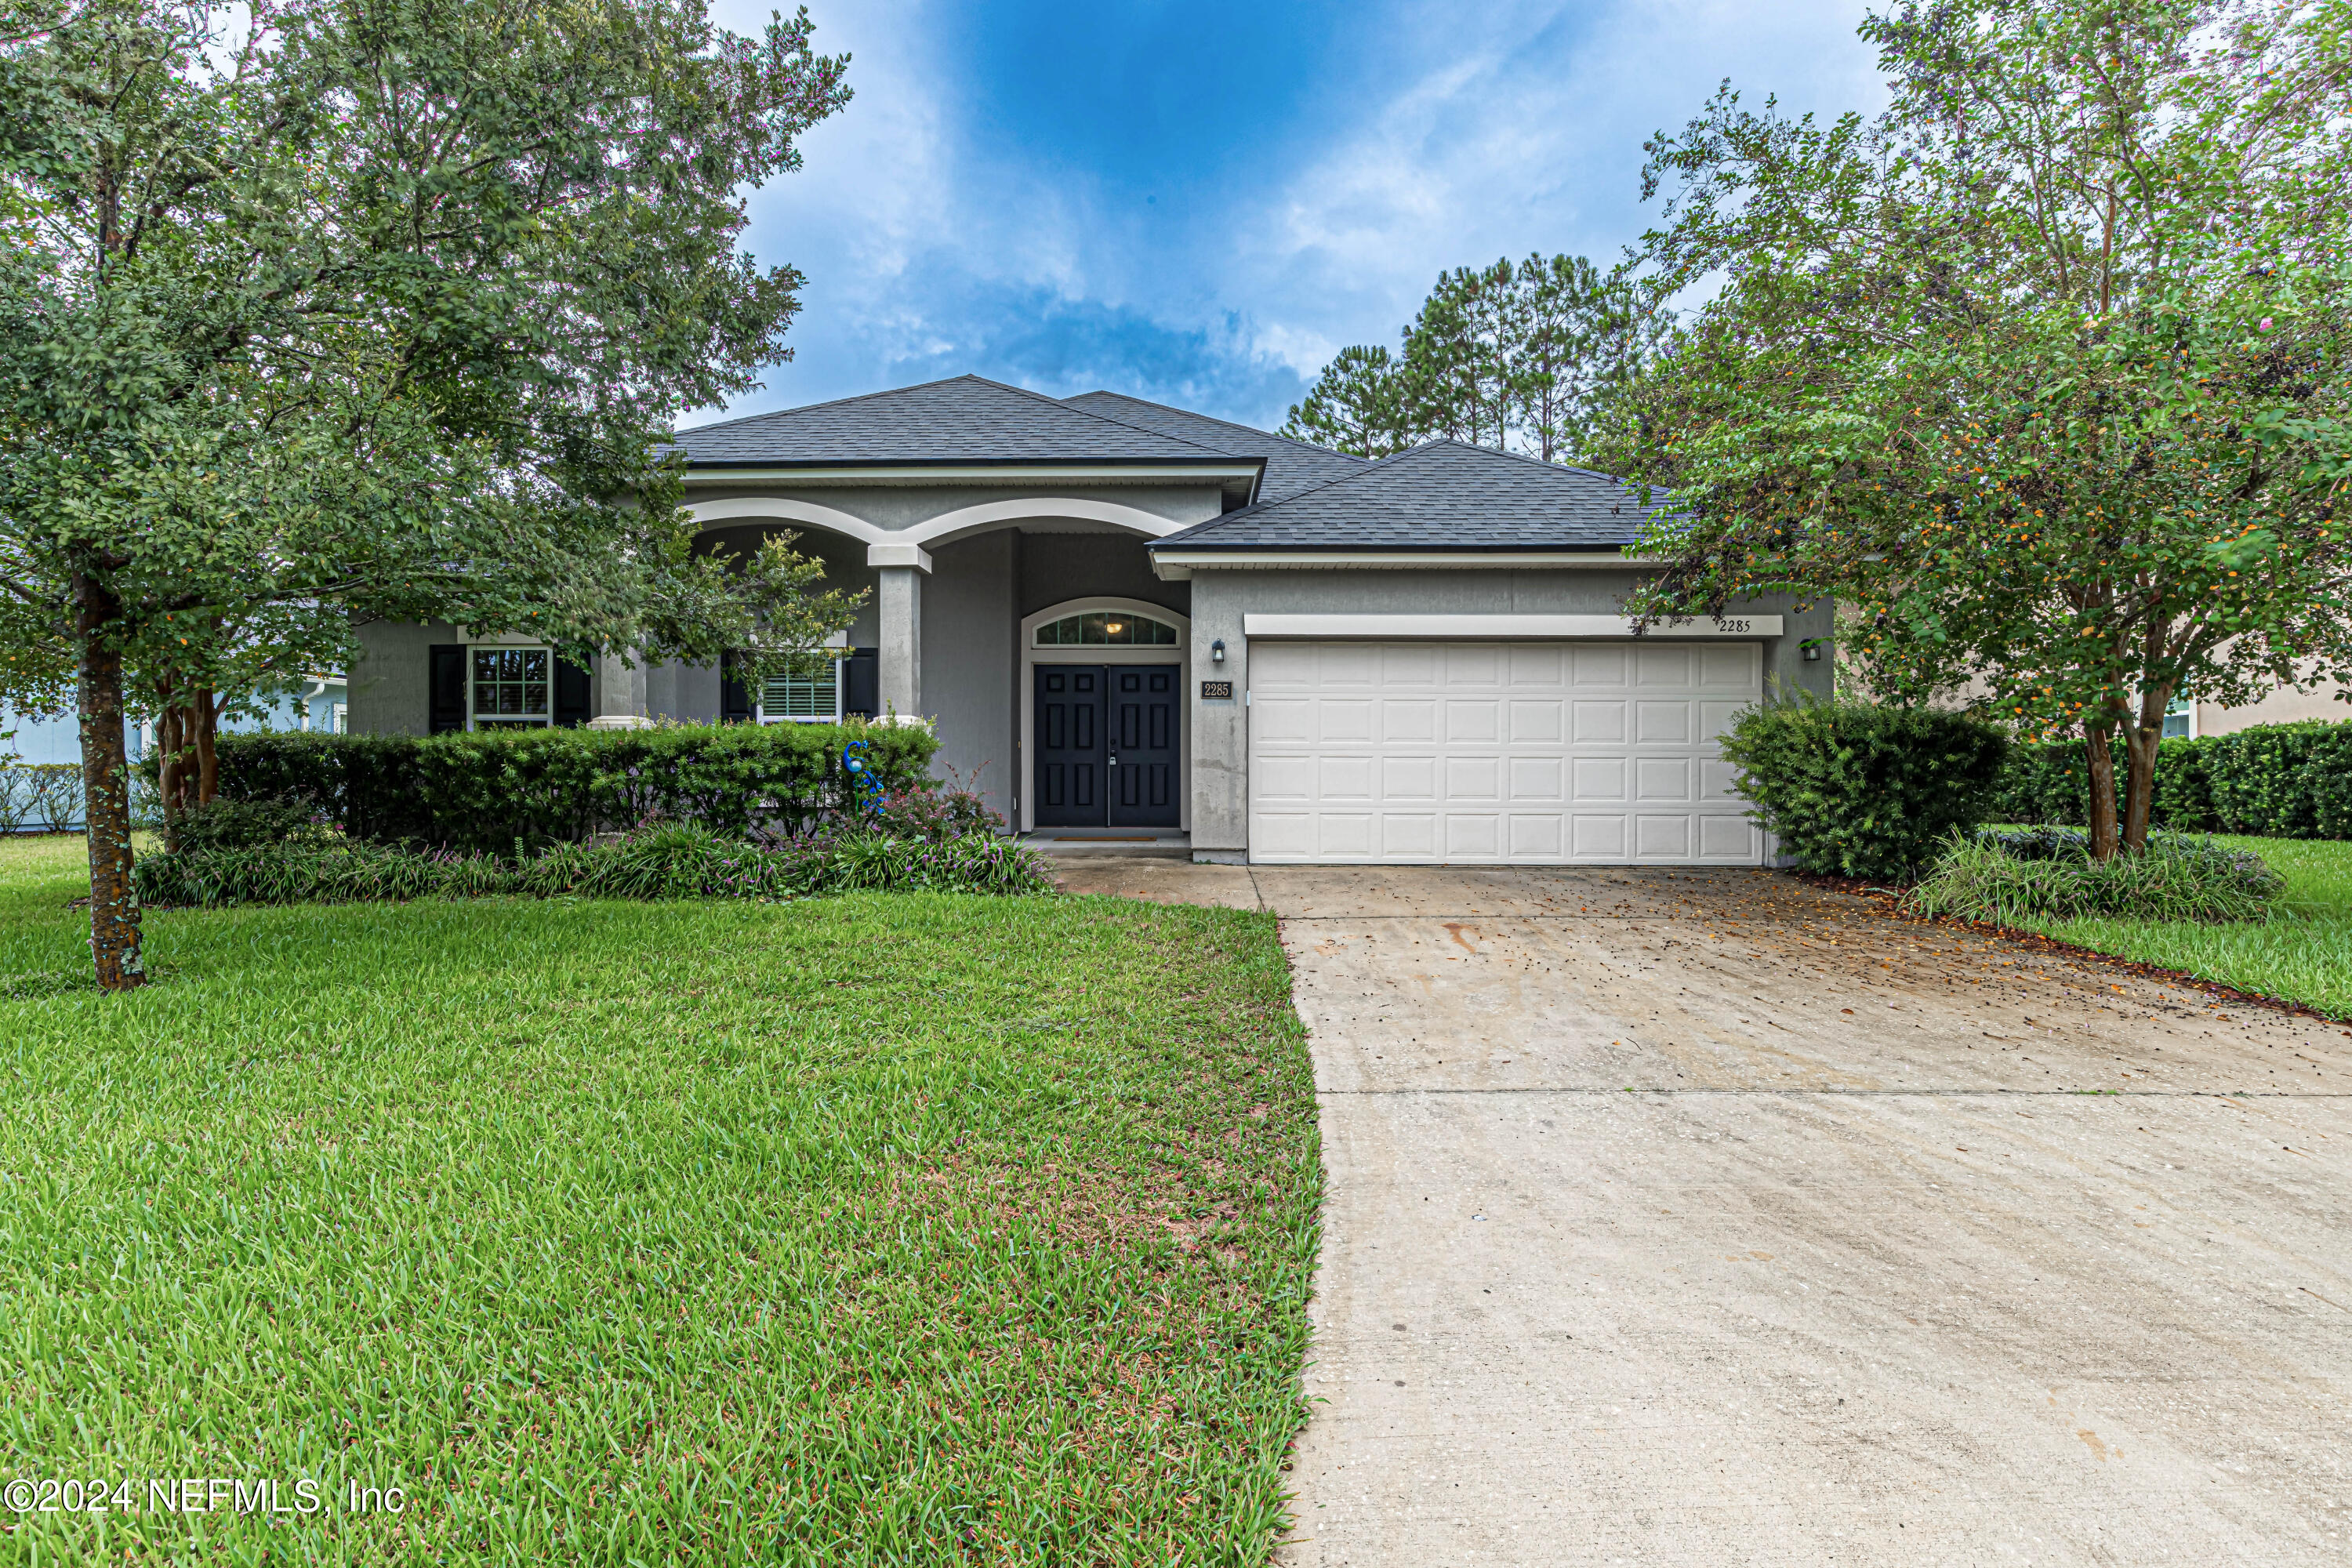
<point>2279,781</point>
<point>484,792</point>
<point>2017,879</point>
<point>39,797</point>
<point>659,860</point>
<point>1856,789</point>
<point>226,824</point>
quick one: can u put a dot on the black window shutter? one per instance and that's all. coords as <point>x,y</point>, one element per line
<point>570,695</point>
<point>446,706</point>
<point>861,684</point>
<point>734,702</point>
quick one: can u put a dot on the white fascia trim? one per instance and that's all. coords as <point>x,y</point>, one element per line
<point>1175,565</point>
<point>1492,628</point>
<point>976,474</point>
<point>896,555</point>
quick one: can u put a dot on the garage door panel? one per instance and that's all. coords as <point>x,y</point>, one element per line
<point>1602,723</point>
<point>1472,721</point>
<point>1473,778</point>
<point>1408,836</point>
<point>1658,722</point>
<point>1533,779</point>
<point>1602,778</point>
<point>1599,666</point>
<point>1473,836</point>
<point>1345,778</point>
<point>1407,720</point>
<point>1536,722</point>
<point>1668,665</point>
<point>1520,753</point>
<point>1344,720</point>
<point>1596,836</point>
<point>1663,779</point>
<point>1660,836</point>
<point>1727,839</point>
<point>1473,664</point>
<point>1537,665</point>
<point>1409,778</point>
<point>1536,836</point>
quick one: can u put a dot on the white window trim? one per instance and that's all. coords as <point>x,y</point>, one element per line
<point>760,714</point>
<point>519,722</point>
<point>1031,655</point>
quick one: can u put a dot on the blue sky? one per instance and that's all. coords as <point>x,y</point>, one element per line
<point>1198,203</point>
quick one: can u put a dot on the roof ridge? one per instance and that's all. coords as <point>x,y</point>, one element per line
<point>1229,423</point>
<point>1090,414</point>
<point>1529,458</point>
<point>829,402</point>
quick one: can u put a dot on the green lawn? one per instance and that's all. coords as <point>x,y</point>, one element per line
<point>2303,954</point>
<point>905,1229</point>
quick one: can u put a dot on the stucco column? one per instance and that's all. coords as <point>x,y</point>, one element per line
<point>620,695</point>
<point>899,657</point>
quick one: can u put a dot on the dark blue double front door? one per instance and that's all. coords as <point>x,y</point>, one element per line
<point>1104,745</point>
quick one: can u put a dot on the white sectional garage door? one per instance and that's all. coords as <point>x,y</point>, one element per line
<point>1534,753</point>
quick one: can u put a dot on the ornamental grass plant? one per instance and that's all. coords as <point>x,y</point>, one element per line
<point>2021,877</point>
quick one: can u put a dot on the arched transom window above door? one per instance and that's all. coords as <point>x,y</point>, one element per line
<point>1106,628</point>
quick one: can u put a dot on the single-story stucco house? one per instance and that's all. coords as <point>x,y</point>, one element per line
<point>1132,621</point>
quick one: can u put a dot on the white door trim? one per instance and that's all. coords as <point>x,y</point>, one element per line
<point>1159,653</point>
<point>1494,628</point>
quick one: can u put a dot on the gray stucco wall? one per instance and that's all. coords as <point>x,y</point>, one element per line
<point>388,681</point>
<point>1221,598</point>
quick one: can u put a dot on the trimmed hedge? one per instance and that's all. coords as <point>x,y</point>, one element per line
<point>665,860</point>
<point>2275,781</point>
<point>483,793</point>
<point>1856,789</point>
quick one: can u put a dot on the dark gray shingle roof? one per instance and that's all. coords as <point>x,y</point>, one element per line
<point>1290,465</point>
<point>1442,495</point>
<point>963,420</point>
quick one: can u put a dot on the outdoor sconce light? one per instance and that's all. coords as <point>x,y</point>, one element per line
<point>1812,650</point>
<point>1217,651</point>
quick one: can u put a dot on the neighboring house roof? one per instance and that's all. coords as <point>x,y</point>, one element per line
<point>1290,465</point>
<point>963,420</point>
<point>1441,495</point>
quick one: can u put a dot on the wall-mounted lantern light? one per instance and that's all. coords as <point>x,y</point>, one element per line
<point>1812,649</point>
<point>1217,651</point>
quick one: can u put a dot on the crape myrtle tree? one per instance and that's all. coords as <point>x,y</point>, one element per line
<point>2042,373</point>
<point>1513,356</point>
<point>331,311</point>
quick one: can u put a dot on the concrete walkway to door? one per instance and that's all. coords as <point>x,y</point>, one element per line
<point>1703,1217</point>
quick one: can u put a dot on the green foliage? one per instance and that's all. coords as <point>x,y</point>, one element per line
<point>660,860</point>
<point>484,792</point>
<point>2277,781</point>
<point>2037,372</point>
<point>39,797</point>
<point>879,1230</point>
<point>2050,874</point>
<point>1514,357</point>
<point>227,824</point>
<point>1856,789</point>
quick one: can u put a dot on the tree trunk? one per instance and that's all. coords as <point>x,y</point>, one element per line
<point>167,764</point>
<point>206,713</point>
<point>106,792</point>
<point>2139,784</point>
<point>2102,763</point>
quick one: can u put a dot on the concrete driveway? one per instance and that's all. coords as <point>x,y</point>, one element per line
<point>1703,1217</point>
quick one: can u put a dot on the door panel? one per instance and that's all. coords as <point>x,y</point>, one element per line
<point>1069,764</point>
<point>1142,764</point>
